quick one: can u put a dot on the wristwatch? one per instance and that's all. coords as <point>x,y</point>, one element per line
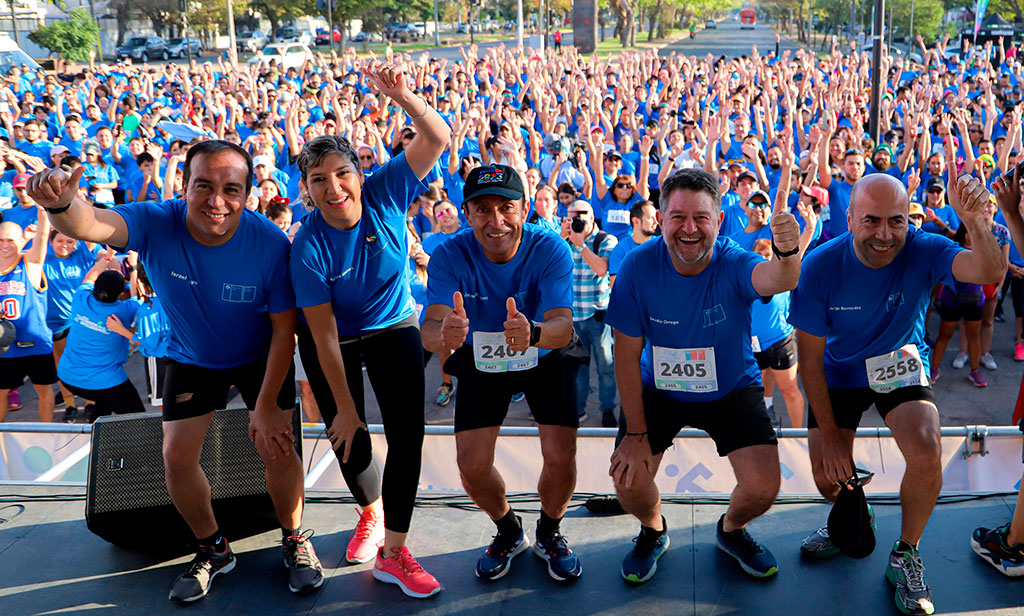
<point>534,332</point>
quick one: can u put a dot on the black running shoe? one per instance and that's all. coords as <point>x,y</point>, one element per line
<point>304,570</point>
<point>991,545</point>
<point>194,583</point>
<point>563,565</point>
<point>496,560</point>
<point>641,563</point>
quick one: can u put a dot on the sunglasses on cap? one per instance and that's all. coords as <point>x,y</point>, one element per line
<point>854,151</point>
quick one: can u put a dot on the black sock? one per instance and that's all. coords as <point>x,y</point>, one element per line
<point>289,532</point>
<point>547,525</point>
<point>508,524</point>
<point>903,547</point>
<point>216,541</point>
<point>650,532</point>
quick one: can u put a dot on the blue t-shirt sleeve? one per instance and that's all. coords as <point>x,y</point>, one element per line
<point>616,258</point>
<point>139,216</point>
<point>556,283</point>
<point>394,186</point>
<point>745,262</point>
<point>807,301</point>
<point>624,313</point>
<point>308,272</point>
<point>441,280</point>
<point>281,296</point>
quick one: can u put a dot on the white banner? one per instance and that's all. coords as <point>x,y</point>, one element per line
<point>691,466</point>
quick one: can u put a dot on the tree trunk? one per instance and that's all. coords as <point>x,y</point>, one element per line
<point>652,20</point>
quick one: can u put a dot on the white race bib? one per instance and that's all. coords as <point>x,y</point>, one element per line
<point>491,354</point>
<point>685,370</point>
<point>900,368</point>
<point>617,216</point>
<point>755,344</point>
<point>104,195</point>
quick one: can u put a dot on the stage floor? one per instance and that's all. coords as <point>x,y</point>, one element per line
<point>51,564</point>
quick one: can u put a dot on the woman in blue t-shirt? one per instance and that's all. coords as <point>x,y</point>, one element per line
<point>92,365</point>
<point>349,265</point>
<point>100,177</point>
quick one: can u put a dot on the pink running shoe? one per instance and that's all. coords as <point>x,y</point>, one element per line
<point>1018,352</point>
<point>13,400</point>
<point>366,537</point>
<point>407,573</point>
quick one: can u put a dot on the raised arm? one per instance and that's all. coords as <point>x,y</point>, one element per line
<point>57,192</point>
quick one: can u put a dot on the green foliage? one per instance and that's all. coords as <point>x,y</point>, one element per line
<point>927,17</point>
<point>71,39</point>
<point>278,11</point>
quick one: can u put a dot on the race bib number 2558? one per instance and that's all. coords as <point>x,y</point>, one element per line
<point>900,368</point>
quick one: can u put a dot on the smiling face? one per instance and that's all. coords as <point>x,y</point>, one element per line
<point>12,240</point>
<point>216,193</point>
<point>689,222</point>
<point>335,186</point>
<point>878,218</point>
<point>497,223</point>
<point>63,245</point>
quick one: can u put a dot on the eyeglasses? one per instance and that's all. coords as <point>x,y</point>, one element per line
<point>756,204</point>
<point>974,130</point>
<point>366,157</point>
<point>623,185</point>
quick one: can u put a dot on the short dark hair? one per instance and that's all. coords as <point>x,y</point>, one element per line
<point>637,211</point>
<point>276,208</point>
<point>315,151</point>
<point>696,180</point>
<point>212,146</point>
<point>145,157</point>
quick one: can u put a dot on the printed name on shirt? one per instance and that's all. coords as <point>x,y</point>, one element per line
<point>96,327</point>
<point>844,308</point>
<point>175,274</point>
<point>663,321</point>
<point>13,287</point>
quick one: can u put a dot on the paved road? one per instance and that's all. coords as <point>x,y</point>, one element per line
<point>728,40</point>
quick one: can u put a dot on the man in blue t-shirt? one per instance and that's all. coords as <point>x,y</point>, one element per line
<point>680,309</point>
<point>833,217</point>
<point>861,342</point>
<point>643,217</point>
<point>222,272</point>
<point>500,294</point>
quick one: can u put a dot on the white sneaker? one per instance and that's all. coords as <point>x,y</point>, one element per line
<point>960,360</point>
<point>988,362</point>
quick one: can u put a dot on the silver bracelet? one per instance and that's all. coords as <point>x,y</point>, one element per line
<point>426,109</point>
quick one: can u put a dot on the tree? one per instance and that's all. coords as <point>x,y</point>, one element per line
<point>71,39</point>
<point>279,11</point>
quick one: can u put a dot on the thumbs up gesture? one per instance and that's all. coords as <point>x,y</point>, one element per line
<point>455,325</point>
<point>54,188</point>
<point>517,327</point>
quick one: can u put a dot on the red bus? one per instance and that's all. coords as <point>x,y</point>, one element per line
<point>748,19</point>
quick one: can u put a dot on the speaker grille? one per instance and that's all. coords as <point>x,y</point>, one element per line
<point>127,468</point>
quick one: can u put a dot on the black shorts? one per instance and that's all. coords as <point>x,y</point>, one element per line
<point>779,356</point>
<point>550,388</point>
<point>951,314</point>
<point>738,420</point>
<point>62,334</point>
<point>40,369</point>
<point>116,400</point>
<point>191,391</point>
<point>849,404</point>
<point>156,368</point>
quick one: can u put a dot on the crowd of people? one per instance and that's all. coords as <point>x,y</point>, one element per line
<point>677,223</point>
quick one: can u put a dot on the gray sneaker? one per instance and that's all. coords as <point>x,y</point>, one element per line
<point>304,570</point>
<point>905,571</point>
<point>819,545</point>
<point>194,583</point>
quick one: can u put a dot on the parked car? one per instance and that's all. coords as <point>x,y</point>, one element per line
<point>406,30</point>
<point>144,48</point>
<point>251,41</point>
<point>177,48</point>
<point>12,55</point>
<point>710,25</point>
<point>373,37</point>
<point>291,34</point>
<point>323,38</point>
<point>462,29</point>
<point>287,55</point>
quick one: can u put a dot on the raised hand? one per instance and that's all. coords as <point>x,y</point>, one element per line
<point>455,325</point>
<point>54,188</point>
<point>517,327</point>
<point>968,196</point>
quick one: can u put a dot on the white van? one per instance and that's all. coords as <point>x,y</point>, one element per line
<point>12,55</point>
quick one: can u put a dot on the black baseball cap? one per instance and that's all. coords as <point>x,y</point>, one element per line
<point>935,182</point>
<point>500,180</point>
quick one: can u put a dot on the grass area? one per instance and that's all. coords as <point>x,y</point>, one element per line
<point>427,43</point>
<point>613,47</point>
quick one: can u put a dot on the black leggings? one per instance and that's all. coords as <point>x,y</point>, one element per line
<point>1015,288</point>
<point>394,363</point>
<point>118,399</point>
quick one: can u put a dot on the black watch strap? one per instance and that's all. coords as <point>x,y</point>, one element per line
<point>534,332</point>
<point>59,210</point>
<point>780,254</point>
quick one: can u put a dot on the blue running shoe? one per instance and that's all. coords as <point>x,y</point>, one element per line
<point>497,559</point>
<point>563,565</point>
<point>752,556</point>
<point>991,545</point>
<point>905,571</point>
<point>642,561</point>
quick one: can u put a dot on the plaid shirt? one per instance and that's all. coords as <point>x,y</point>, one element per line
<point>590,291</point>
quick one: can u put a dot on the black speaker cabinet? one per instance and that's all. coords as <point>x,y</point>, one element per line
<point>127,502</point>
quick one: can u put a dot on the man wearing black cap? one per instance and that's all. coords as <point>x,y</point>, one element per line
<point>501,296</point>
